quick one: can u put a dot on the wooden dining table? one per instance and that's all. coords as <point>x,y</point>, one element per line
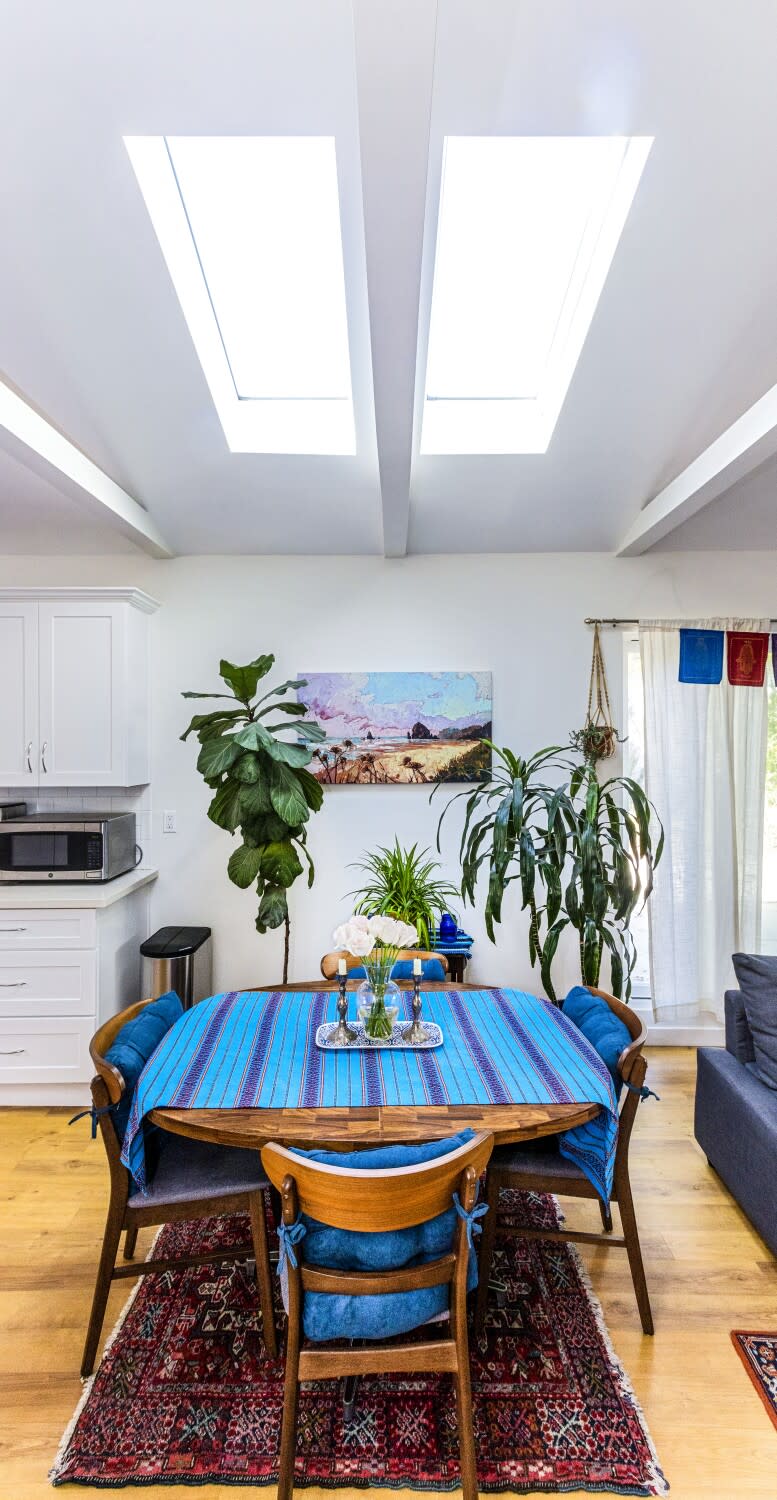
<point>345,1129</point>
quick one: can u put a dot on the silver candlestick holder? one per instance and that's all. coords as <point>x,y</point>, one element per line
<point>343,1034</point>
<point>416,1032</point>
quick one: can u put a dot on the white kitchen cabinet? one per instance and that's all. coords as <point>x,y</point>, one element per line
<point>74,677</point>
<point>19,683</point>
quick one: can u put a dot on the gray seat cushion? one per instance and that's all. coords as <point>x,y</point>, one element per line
<point>188,1169</point>
<point>757,975</point>
<point>536,1156</point>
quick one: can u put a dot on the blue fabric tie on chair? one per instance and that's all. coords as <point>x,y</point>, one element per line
<point>328,1315</point>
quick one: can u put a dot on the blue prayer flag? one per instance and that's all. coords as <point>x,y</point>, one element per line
<point>701,655</point>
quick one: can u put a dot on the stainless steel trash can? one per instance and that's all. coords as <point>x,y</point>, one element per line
<point>180,959</point>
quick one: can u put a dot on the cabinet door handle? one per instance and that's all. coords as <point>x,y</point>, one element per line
<point>13,929</point>
<point>29,757</point>
<point>13,984</point>
<point>14,1051</point>
<point>44,747</point>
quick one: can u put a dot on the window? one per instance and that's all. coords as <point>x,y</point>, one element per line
<point>527,230</point>
<point>634,765</point>
<point>250,229</point>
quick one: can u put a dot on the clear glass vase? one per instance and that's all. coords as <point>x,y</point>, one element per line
<point>378,997</point>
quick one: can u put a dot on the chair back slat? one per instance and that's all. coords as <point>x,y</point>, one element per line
<point>330,960</point>
<point>384,1198</point>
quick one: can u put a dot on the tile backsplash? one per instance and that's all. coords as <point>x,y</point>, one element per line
<point>87,799</point>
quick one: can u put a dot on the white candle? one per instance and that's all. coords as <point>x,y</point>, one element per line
<point>342,966</point>
<point>417,970</point>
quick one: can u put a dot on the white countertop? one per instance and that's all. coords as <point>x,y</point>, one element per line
<point>88,893</point>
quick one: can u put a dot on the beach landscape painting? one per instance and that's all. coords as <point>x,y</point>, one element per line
<point>400,727</point>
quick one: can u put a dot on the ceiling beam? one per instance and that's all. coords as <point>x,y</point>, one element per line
<point>741,448</point>
<point>394,77</point>
<point>28,436</point>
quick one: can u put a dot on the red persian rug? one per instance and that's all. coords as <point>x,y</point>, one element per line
<point>758,1353</point>
<point>185,1393</point>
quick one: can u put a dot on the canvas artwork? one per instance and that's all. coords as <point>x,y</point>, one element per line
<point>395,727</point>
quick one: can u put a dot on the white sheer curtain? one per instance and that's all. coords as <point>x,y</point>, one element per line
<point>705,766</point>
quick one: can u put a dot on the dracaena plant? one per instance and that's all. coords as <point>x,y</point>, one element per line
<point>260,783</point>
<point>581,851</point>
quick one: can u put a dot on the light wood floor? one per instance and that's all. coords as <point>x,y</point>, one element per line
<point>708,1273</point>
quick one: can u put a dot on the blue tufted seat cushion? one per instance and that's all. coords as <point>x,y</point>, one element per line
<point>606,1032</point>
<point>134,1045</point>
<point>335,1315</point>
<point>431,970</point>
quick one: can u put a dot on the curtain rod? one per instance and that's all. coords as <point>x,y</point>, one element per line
<point>615,622</point>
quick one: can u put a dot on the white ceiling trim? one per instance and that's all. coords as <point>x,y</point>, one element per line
<point>58,454</point>
<point>743,447</point>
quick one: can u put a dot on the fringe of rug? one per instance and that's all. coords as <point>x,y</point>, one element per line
<point>88,1381</point>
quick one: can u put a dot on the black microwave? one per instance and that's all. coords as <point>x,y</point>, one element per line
<point>67,846</point>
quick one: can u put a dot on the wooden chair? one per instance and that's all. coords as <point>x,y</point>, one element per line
<point>377,1200</point>
<point>194,1180</point>
<point>538,1167</point>
<point>330,961</point>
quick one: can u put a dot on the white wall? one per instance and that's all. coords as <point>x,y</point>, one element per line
<point>519,616</point>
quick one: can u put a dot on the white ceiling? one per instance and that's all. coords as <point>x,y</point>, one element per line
<point>91,333</point>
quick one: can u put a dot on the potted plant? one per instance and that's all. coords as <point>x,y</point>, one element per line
<point>404,883</point>
<point>260,785</point>
<point>582,851</point>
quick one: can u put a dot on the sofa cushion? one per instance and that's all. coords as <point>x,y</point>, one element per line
<point>606,1032</point>
<point>757,975</point>
<point>133,1047</point>
<point>329,1315</point>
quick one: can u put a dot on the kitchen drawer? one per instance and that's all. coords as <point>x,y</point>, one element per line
<point>48,984</point>
<point>54,1050</point>
<point>28,928</point>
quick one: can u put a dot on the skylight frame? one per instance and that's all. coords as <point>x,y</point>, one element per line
<point>460,425</point>
<point>317,425</point>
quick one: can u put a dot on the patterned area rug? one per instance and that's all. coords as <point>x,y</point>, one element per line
<point>758,1353</point>
<point>186,1395</point>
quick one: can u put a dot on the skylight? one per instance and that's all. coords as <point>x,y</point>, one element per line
<point>528,227</point>
<point>250,229</point>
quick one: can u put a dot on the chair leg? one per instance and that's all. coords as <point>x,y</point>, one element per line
<point>634,1252</point>
<point>462,1382</point>
<point>606,1213</point>
<point>113,1228</point>
<point>486,1251</point>
<point>263,1273</point>
<point>130,1241</point>
<point>289,1427</point>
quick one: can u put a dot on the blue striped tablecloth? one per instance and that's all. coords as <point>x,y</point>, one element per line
<point>252,1050</point>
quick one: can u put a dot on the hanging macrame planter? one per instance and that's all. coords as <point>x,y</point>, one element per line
<point>598,738</point>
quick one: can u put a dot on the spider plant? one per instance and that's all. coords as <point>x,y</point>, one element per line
<point>403,883</point>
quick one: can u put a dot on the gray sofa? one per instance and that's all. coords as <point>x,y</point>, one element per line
<point>736,1121</point>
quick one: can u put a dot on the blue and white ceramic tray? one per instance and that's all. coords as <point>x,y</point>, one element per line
<point>363,1043</point>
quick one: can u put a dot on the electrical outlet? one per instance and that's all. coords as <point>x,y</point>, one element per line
<point>168,822</point>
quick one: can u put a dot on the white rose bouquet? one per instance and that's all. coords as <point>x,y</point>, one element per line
<point>376,940</point>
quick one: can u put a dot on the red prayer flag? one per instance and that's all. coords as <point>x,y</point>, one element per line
<point>746,654</point>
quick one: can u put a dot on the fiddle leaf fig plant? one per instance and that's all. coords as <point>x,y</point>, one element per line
<point>260,785</point>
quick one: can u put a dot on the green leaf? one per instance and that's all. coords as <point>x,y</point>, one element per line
<point>272,908</point>
<point>313,791</point>
<point>285,708</point>
<point>254,737</point>
<point>218,717</point>
<point>254,799</point>
<point>290,755</point>
<point>243,866</point>
<point>548,954</point>
<point>230,696</point>
<point>217,755</point>
<point>248,769</point>
<point>225,807</point>
<point>280,863</point>
<point>243,680</point>
<point>286,794</point>
<point>307,730</point>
